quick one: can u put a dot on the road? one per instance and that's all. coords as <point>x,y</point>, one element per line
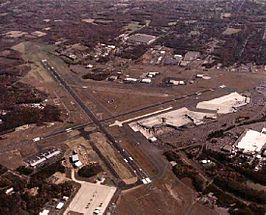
<point>128,159</point>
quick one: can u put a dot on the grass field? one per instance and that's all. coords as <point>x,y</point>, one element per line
<point>109,153</point>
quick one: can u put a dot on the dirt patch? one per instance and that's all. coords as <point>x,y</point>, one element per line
<point>58,178</point>
<point>38,34</point>
<point>230,31</point>
<point>166,196</point>
<point>16,34</point>
<point>81,146</point>
<point>101,143</point>
<point>11,160</point>
<point>118,101</point>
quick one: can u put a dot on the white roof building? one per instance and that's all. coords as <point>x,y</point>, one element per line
<point>44,212</point>
<point>52,154</point>
<point>146,80</point>
<point>78,164</point>
<point>174,82</point>
<point>176,118</point>
<point>153,139</point>
<point>130,79</point>
<point>251,142</point>
<point>10,191</point>
<point>75,158</point>
<point>37,162</point>
<point>142,38</point>
<point>36,139</point>
<point>225,104</point>
<point>199,76</point>
<point>60,205</point>
<point>152,74</point>
<point>89,66</point>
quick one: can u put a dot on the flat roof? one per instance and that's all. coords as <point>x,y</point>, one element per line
<point>60,205</point>
<point>37,162</point>
<point>142,38</point>
<point>191,55</point>
<point>75,157</point>
<point>44,212</point>
<point>252,141</point>
<point>78,164</point>
<point>174,118</point>
<point>224,104</point>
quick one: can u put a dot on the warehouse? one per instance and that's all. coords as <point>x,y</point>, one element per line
<point>142,39</point>
<point>175,119</point>
<point>43,157</point>
<point>75,160</point>
<point>191,55</point>
<point>251,142</point>
<point>225,104</point>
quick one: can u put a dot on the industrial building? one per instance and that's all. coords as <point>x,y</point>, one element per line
<point>142,39</point>
<point>174,82</point>
<point>146,80</point>
<point>41,158</point>
<point>175,119</point>
<point>251,142</point>
<point>225,104</point>
<point>75,160</point>
<point>44,212</point>
<point>130,80</point>
<point>191,55</point>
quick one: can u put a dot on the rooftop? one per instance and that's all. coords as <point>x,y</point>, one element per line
<point>252,141</point>
<point>191,55</point>
<point>175,118</point>
<point>78,164</point>
<point>75,158</point>
<point>142,38</point>
<point>44,212</point>
<point>225,104</point>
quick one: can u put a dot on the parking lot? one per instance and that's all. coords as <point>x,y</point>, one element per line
<point>89,197</point>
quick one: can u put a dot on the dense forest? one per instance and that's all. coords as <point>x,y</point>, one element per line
<point>31,194</point>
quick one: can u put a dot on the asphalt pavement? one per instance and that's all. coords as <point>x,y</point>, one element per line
<point>128,159</point>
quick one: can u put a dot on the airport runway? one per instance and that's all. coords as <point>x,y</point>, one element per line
<point>128,159</point>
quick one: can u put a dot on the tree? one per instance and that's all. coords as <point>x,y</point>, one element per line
<point>24,170</point>
<point>90,170</point>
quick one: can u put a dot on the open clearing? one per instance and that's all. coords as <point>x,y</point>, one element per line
<point>109,153</point>
<point>166,196</point>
